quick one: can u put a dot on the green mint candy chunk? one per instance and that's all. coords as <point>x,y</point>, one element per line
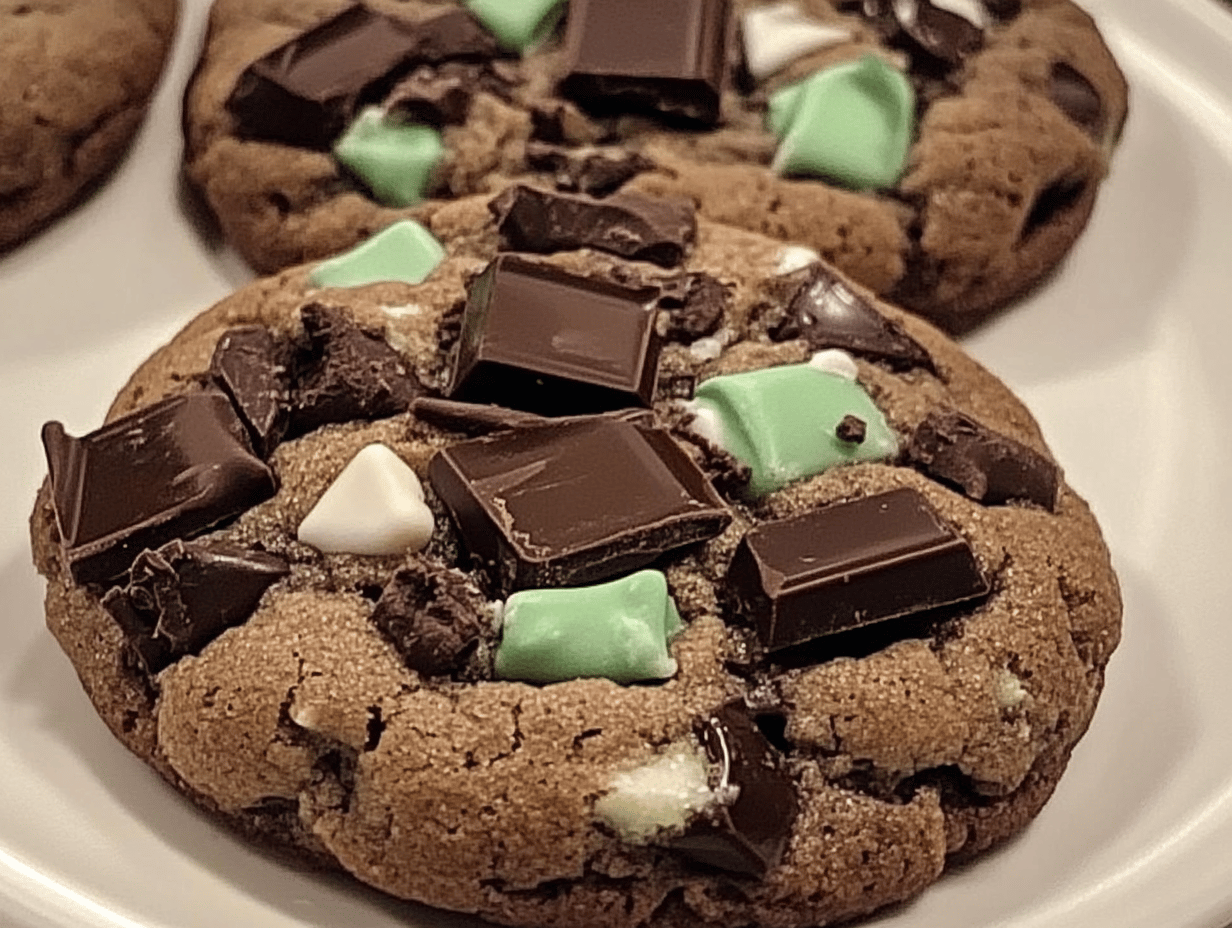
<point>394,159</point>
<point>793,421</point>
<point>617,630</point>
<point>405,252</point>
<point>851,123</point>
<point>517,24</point>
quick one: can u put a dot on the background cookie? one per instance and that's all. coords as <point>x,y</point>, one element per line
<point>1013,126</point>
<point>78,78</point>
<point>907,744</point>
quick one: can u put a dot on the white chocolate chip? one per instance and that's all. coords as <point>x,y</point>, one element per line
<point>778,34</point>
<point>794,257</point>
<point>706,348</point>
<point>660,796</point>
<point>835,361</point>
<point>401,312</point>
<point>374,506</point>
<point>1010,691</point>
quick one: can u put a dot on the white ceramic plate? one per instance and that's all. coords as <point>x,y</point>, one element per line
<point>1123,357</point>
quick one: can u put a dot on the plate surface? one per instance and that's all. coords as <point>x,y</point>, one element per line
<point>1122,356</point>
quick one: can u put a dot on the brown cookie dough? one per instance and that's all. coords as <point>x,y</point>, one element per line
<point>1012,140</point>
<point>905,745</point>
<point>78,76</point>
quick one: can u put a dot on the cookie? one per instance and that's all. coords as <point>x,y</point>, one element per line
<point>945,155</point>
<point>576,589</point>
<point>78,80</point>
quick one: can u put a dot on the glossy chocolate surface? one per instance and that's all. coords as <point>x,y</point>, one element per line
<point>170,470</point>
<point>542,340</point>
<point>629,225</point>
<point>650,56</point>
<point>749,834</point>
<point>574,501</point>
<point>251,366</point>
<point>827,313</point>
<point>306,91</point>
<point>850,565</point>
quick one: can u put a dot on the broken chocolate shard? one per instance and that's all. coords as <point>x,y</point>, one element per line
<point>539,339</point>
<point>827,313</point>
<point>252,368</point>
<point>184,595</point>
<point>574,501</point>
<point>851,429</point>
<point>1077,98</point>
<point>850,565</point>
<point>749,833</point>
<point>649,56</point>
<point>306,91</point>
<point>471,418</point>
<point>431,615</point>
<point>596,172</point>
<point>989,467</point>
<point>630,225</point>
<point>345,374</point>
<point>944,35</point>
<point>170,470</point>
<point>695,304</point>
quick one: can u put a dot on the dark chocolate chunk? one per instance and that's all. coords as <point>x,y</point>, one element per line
<point>184,595</point>
<point>252,367</point>
<point>667,58</point>
<point>851,429</point>
<point>539,339</point>
<point>308,90</point>
<point>435,97</point>
<point>559,122</point>
<point>989,467</point>
<point>630,225</point>
<point>431,615</point>
<point>695,305</point>
<point>942,34</point>
<point>1003,10</point>
<point>574,501</point>
<point>1077,98</point>
<point>849,565</point>
<point>345,374</point>
<point>171,470</point>
<point>596,171</point>
<point>749,834</point>
<point>827,313</point>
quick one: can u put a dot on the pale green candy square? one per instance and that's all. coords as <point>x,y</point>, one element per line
<point>394,159</point>
<point>517,24</point>
<point>618,630</point>
<point>781,422</point>
<point>852,123</point>
<point>405,252</point>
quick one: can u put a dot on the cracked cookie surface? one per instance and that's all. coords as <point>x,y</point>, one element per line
<point>1010,146</point>
<point>78,79</point>
<point>909,748</point>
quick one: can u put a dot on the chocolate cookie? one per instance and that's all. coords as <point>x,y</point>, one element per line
<point>575,589</point>
<point>945,154</point>
<point>78,77</point>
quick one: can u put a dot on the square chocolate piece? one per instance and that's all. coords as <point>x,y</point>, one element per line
<point>542,340</point>
<point>662,56</point>
<point>849,565</point>
<point>574,501</point>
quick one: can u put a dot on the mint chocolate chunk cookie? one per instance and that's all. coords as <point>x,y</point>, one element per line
<point>945,154</point>
<point>78,76</point>
<point>566,588</point>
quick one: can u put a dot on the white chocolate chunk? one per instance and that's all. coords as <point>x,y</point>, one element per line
<point>794,257</point>
<point>778,34</point>
<point>662,795</point>
<point>401,312</point>
<point>374,506</point>
<point>835,361</point>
